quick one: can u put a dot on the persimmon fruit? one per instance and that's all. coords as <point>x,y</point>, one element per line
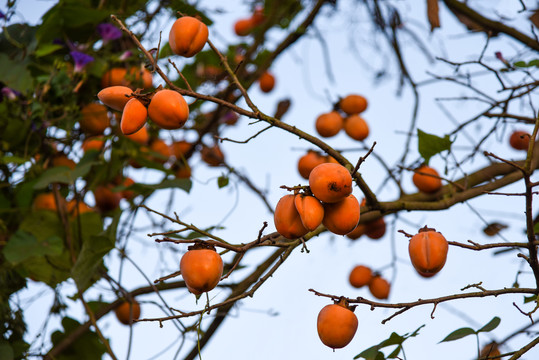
<point>310,211</point>
<point>360,276</point>
<point>133,77</point>
<point>519,140</point>
<point>375,229</point>
<point>94,119</point>
<point>168,109</point>
<point>134,117</point>
<point>75,207</point>
<point>342,217</point>
<point>126,312</point>
<point>162,149</point>
<point>61,159</point>
<point>330,182</point>
<point>243,27</point>
<point>93,143</point>
<point>428,251</point>
<point>44,201</point>
<point>187,36</point>
<point>379,287</point>
<point>105,199</point>
<point>201,269</point>
<point>426,179</point>
<point>141,136</point>
<point>356,127</point>
<point>353,104</point>
<point>336,325</point>
<point>115,97</point>
<point>329,124</point>
<point>180,148</point>
<point>266,82</point>
<point>357,232</point>
<point>213,156</point>
<point>308,162</point>
<point>287,219</point>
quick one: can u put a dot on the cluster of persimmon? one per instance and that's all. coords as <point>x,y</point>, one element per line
<point>346,115</point>
<point>201,268</point>
<point>362,275</point>
<point>328,201</point>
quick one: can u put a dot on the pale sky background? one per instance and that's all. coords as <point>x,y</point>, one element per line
<point>280,320</point>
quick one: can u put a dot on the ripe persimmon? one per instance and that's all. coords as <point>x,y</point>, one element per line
<point>360,276</point>
<point>357,232</point>
<point>287,220</point>
<point>342,217</point>
<point>162,150</point>
<point>356,127</point>
<point>428,251</point>
<point>375,229</point>
<point>133,117</point>
<point>126,312</point>
<point>426,179</point>
<point>75,208</point>
<point>44,201</point>
<point>115,97</point>
<point>142,137</point>
<point>266,82</point>
<point>308,162</point>
<point>94,119</point>
<point>519,140</point>
<point>353,104</point>
<point>258,15</point>
<point>329,124</point>
<point>133,78</point>
<point>105,199</point>
<point>243,27</point>
<point>201,269</point>
<point>128,194</point>
<point>94,143</point>
<point>330,182</point>
<point>183,171</point>
<point>379,287</point>
<point>168,109</point>
<point>311,212</point>
<point>213,156</point>
<point>61,159</point>
<point>336,325</point>
<point>180,148</point>
<point>187,36</point>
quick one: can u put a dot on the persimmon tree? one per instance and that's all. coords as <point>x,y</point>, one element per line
<point>100,201</point>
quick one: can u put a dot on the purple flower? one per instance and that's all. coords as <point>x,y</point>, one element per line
<point>109,32</point>
<point>126,55</point>
<point>81,59</point>
<point>9,93</point>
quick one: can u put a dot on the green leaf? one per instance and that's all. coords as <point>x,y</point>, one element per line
<point>184,184</point>
<point>222,181</point>
<point>394,339</point>
<point>459,334</point>
<point>521,64</point>
<point>371,353</point>
<point>90,258</point>
<point>58,174</point>
<point>15,74</point>
<point>492,324</point>
<point>165,51</point>
<point>6,352</point>
<point>23,245</point>
<point>47,49</point>
<point>529,299</point>
<point>536,228</point>
<point>85,347</point>
<point>430,145</point>
<point>534,63</point>
<point>395,353</point>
